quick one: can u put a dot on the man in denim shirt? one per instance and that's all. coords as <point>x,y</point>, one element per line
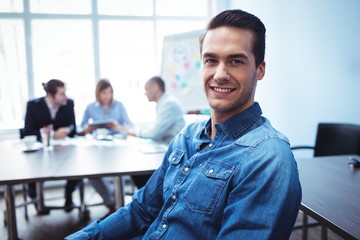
<point>232,177</point>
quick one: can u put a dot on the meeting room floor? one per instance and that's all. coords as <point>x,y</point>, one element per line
<point>59,224</point>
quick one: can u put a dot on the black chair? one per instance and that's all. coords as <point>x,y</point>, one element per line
<point>331,139</point>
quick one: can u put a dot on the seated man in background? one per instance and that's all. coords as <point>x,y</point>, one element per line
<point>168,122</point>
<point>54,111</point>
<point>231,177</point>
<point>169,115</point>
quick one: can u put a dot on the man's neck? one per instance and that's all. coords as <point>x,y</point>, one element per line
<point>159,96</point>
<point>51,101</point>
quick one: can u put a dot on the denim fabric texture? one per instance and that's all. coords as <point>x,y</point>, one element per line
<point>243,184</point>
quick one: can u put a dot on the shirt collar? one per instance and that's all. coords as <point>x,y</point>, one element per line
<point>162,98</point>
<point>53,110</point>
<point>98,104</point>
<point>238,125</point>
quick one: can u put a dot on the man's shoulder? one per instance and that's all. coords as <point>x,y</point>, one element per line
<point>170,98</point>
<point>69,100</point>
<point>36,102</point>
<point>171,102</point>
<point>261,133</point>
<point>69,103</point>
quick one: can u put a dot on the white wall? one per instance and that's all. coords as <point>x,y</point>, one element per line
<point>313,63</point>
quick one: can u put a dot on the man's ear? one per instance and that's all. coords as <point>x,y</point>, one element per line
<point>260,71</point>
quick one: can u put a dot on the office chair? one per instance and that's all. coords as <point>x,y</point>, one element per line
<point>331,139</point>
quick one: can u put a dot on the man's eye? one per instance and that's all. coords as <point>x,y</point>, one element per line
<point>235,61</point>
<point>209,61</point>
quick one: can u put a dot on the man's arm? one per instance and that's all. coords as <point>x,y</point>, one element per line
<point>132,220</point>
<point>31,126</point>
<point>64,124</point>
<point>265,200</point>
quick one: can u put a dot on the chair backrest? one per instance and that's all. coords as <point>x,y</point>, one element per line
<point>337,139</point>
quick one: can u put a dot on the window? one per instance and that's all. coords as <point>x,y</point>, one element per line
<point>182,8</point>
<point>127,59</point>
<point>11,5</point>
<point>81,41</point>
<point>13,85</point>
<point>125,8</point>
<point>63,6</point>
<point>63,49</point>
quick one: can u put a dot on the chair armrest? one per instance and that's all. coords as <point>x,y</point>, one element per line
<point>302,147</point>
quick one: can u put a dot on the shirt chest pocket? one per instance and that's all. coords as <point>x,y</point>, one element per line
<point>175,159</point>
<point>206,187</point>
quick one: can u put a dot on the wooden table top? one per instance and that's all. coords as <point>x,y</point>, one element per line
<point>331,193</point>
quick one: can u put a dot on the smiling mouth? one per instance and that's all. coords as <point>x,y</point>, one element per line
<point>222,90</point>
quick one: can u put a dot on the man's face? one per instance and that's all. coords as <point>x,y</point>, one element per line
<point>60,98</point>
<point>150,91</point>
<point>228,70</point>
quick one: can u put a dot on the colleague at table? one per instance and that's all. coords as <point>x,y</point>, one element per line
<point>105,108</point>
<point>169,115</point>
<point>55,111</point>
<point>168,122</point>
<point>231,177</point>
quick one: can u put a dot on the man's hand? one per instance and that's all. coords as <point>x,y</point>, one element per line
<point>62,132</point>
<point>87,129</point>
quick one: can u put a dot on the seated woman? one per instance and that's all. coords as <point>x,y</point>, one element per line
<point>105,108</point>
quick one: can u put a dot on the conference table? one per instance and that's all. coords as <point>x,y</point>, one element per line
<point>331,193</point>
<point>74,159</point>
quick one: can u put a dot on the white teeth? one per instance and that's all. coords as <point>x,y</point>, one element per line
<point>222,89</point>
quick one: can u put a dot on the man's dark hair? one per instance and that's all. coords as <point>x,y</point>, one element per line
<point>52,85</point>
<point>240,19</point>
<point>158,80</point>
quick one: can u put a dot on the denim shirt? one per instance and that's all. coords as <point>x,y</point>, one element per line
<point>243,184</point>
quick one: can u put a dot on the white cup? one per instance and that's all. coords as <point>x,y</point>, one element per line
<point>29,141</point>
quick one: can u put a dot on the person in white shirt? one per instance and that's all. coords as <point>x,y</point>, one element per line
<point>169,118</point>
<point>169,115</point>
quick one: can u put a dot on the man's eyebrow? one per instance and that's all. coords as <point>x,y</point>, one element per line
<point>231,56</point>
<point>212,55</point>
<point>238,55</point>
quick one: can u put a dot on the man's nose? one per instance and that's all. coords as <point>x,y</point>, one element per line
<point>221,73</point>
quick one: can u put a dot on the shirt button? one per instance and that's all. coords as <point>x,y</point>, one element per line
<point>210,145</point>
<point>164,226</point>
<point>186,169</point>
<point>211,171</point>
<point>173,197</point>
<point>173,159</point>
